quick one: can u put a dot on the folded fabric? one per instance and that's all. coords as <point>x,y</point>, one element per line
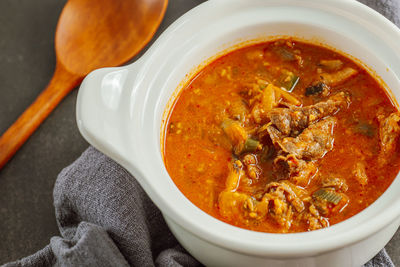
<point>106,219</point>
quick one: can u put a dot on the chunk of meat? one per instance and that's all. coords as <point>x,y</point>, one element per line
<point>249,159</point>
<point>275,135</point>
<point>282,202</point>
<point>321,205</point>
<point>300,192</point>
<point>291,121</point>
<point>338,77</point>
<point>389,131</point>
<point>313,143</point>
<point>360,173</point>
<point>283,191</point>
<point>314,219</point>
<point>298,171</point>
<point>328,201</point>
<point>252,170</point>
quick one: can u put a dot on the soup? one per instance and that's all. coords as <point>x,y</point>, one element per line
<point>282,137</point>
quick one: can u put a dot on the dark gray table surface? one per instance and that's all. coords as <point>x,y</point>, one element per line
<point>27,59</point>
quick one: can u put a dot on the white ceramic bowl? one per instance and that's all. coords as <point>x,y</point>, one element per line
<point>121,112</point>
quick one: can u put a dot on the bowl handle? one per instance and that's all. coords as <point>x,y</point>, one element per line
<point>103,101</point>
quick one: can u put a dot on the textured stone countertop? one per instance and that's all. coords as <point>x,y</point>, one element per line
<point>27,59</point>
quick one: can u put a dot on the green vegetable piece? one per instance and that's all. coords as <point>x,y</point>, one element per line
<point>284,54</point>
<point>365,128</point>
<point>251,145</point>
<point>288,80</point>
<point>328,195</point>
<point>292,83</point>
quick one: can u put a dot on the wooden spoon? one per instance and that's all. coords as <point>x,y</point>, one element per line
<point>90,34</point>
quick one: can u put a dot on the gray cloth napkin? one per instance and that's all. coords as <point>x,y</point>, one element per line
<point>106,219</point>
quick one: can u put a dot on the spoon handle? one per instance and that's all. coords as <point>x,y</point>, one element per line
<point>16,135</point>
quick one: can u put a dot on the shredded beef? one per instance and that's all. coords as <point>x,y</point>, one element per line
<point>299,171</point>
<point>293,120</point>
<point>313,143</point>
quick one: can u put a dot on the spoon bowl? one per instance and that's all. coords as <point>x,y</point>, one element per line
<point>102,33</point>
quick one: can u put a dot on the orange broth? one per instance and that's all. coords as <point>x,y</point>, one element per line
<point>199,151</point>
